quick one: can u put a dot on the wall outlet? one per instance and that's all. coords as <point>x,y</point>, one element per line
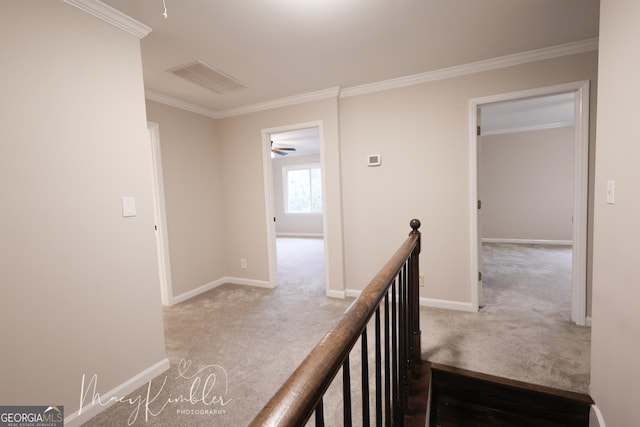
<point>421,280</point>
<point>243,263</point>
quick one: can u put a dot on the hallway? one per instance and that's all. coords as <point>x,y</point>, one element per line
<point>252,339</point>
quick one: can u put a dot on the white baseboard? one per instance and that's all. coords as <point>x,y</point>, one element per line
<point>208,286</point>
<point>197,291</point>
<point>595,417</point>
<point>449,305</point>
<point>93,408</point>
<point>312,235</point>
<point>528,241</point>
<point>587,321</point>
<point>355,293</point>
<point>336,294</point>
<point>248,282</point>
<point>428,302</point>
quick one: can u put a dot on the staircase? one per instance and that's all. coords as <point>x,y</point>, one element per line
<point>464,398</point>
<point>407,391</point>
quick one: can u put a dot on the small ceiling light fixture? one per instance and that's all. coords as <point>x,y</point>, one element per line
<point>165,9</point>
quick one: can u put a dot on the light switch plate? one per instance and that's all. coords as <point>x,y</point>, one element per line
<point>611,192</point>
<point>128,206</point>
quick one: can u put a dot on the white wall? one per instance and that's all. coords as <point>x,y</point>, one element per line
<point>422,135</point>
<point>526,185</point>
<point>192,176</point>
<point>293,224</point>
<point>243,187</point>
<point>80,284</point>
<point>615,375</point>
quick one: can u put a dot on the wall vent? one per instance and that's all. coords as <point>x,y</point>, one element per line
<point>208,77</point>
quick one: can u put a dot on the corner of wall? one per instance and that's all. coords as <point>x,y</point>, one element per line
<point>595,417</point>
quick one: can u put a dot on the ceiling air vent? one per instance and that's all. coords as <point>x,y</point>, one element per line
<point>208,77</point>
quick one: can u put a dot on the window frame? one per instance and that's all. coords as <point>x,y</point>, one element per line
<point>285,187</point>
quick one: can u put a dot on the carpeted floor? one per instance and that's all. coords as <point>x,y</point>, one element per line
<point>239,343</point>
<point>524,331</point>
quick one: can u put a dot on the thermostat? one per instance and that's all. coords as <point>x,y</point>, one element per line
<point>373,160</point>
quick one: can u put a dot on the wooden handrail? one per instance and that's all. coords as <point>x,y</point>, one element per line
<point>294,403</point>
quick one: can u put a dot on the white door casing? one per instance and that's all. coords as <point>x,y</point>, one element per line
<point>160,216</point>
<point>580,208</point>
<point>479,211</point>
<point>269,203</point>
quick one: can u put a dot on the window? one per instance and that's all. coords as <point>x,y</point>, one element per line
<point>302,189</point>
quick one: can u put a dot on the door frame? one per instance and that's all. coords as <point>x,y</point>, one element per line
<point>580,187</point>
<point>160,216</point>
<point>269,197</point>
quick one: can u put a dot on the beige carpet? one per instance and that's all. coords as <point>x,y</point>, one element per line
<point>524,332</point>
<point>243,342</point>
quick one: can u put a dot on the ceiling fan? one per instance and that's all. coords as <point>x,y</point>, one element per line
<point>282,151</point>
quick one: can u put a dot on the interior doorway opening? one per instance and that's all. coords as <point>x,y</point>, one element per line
<point>294,192</point>
<point>573,230</point>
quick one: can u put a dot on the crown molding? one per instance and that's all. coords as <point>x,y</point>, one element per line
<point>429,76</point>
<point>112,16</point>
<point>333,92</point>
<point>475,67</point>
<point>173,102</point>
<point>246,109</point>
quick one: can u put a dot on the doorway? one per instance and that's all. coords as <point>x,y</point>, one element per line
<point>160,216</point>
<point>294,191</point>
<point>578,93</point>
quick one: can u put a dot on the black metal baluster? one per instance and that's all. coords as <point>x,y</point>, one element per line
<point>395,351</point>
<point>320,414</point>
<point>387,364</point>
<point>406,338</point>
<point>346,392</point>
<point>402,357</point>
<point>410,298</point>
<point>365,379</point>
<point>378,371</point>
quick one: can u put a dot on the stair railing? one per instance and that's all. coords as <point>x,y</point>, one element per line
<point>392,300</point>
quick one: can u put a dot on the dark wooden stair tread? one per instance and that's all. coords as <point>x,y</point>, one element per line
<point>465,398</point>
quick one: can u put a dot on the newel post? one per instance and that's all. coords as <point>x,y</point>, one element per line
<point>414,268</point>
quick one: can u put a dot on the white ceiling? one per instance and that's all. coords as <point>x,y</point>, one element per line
<point>528,114</point>
<point>305,141</point>
<point>283,48</point>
